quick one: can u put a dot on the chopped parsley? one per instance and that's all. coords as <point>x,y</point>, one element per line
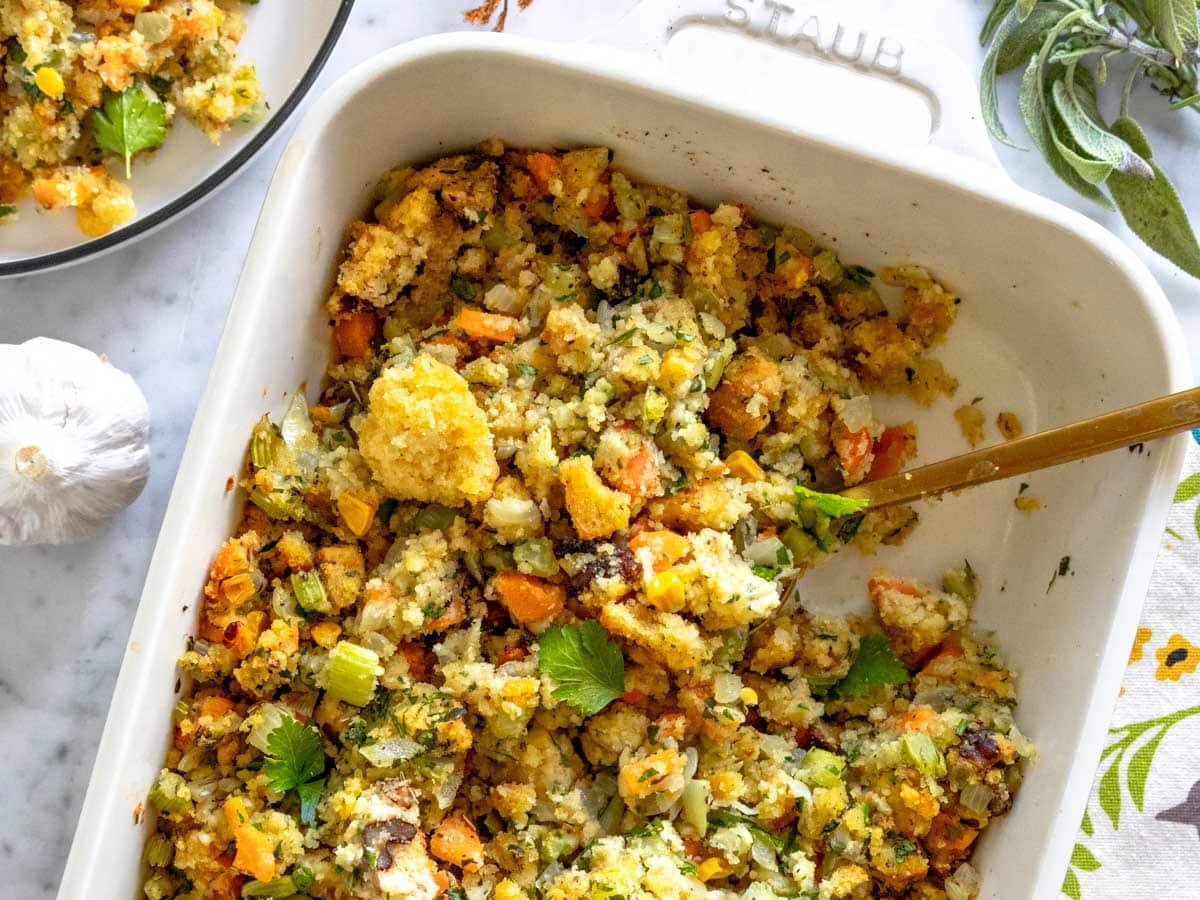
<point>588,667</point>
<point>296,762</point>
<point>656,291</point>
<point>462,287</point>
<point>7,210</point>
<point>623,337</point>
<point>874,666</point>
<point>858,275</point>
<point>767,573</point>
<point>129,122</point>
<point>526,369</point>
<point>903,848</point>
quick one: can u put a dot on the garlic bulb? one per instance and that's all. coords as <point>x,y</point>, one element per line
<point>73,442</point>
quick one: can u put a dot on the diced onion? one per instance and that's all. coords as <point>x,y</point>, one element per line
<point>769,552</point>
<point>976,797</point>
<point>696,796</point>
<point>155,27</point>
<point>964,884</point>
<point>390,751</point>
<point>855,413</point>
<point>691,761</point>
<point>503,299</point>
<point>727,687</point>
<point>269,717</point>
<point>762,854</point>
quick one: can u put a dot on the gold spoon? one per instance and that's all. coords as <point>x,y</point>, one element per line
<point>1111,431</point>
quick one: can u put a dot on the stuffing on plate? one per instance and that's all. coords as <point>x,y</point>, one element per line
<point>92,82</point>
<point>512,609</point>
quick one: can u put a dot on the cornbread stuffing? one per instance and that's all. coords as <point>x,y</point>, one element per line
<point>508,613</point>
<point>97,81</point>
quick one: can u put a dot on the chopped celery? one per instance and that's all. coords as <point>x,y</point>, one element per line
<point>963,582</point>
<point>733,646</point>
<point>434,517</point>
<point>654,407</point>
<point>351,673</point>
<point>827,267</point>
<point>923,753</point>
<point>714,368</point>
<point>279,504</point>
<point>269,717</point>
<point>563,281</point>
<point>697,795</point>
<point>159,851</point>
<point>822,768</point>
<point>536,557</point>
<point>262,444</point>
<point>170,793</point>
<point>310,592</point>
<point>802,545</point>
<point>283,886</point>
<point>629,200</point>
<point>498,559</point>
<point>556,844</point>
<point>498,237</point>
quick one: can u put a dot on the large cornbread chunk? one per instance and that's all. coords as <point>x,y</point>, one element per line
<point>425,438</point>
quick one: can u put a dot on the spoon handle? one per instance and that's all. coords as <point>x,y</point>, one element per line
<point>1123,428</point>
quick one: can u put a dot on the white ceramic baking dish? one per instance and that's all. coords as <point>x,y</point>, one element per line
<point>1059,321</point>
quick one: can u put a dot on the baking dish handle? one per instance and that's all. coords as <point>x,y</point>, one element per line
<point>829,33</point>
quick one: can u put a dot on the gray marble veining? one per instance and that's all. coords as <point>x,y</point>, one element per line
<point>157,309</point>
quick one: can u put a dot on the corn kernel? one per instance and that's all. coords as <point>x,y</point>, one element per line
<point>508,890</point>
<point>749,696</point>
<point>326,634</point>
<point>711,868</point>
<point>49,82</point>
<point>356,512</point>
<point>725,785</point>
<point>743,466</point>
<point>666,590</point>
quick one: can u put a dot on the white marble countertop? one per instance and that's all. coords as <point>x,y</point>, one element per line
<point>157,309</point>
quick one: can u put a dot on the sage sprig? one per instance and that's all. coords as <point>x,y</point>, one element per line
<point>1065,47</point>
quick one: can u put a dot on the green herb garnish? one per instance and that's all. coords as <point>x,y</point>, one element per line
<point>129,122</point>
<point>296,762</point>
<point>587,667</point>
<point>832,505</point>
<point>874,666</point>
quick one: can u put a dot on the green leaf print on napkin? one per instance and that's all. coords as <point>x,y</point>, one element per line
<point>1187,490</point>
<point>1137,772</point>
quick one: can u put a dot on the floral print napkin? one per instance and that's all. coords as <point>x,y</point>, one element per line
<point>1140,835</point>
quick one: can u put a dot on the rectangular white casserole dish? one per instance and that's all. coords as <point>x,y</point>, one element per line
<point>1059,321</point>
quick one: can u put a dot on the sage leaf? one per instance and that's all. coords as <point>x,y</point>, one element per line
<point>1026,38</point>
<point>994,17</point>
<point>1094,140</point>
<point>1152,208</point>
<point>989,101</point>
<point>1024,8</point>
<point>1036,123</point>
<point>1175,24</point>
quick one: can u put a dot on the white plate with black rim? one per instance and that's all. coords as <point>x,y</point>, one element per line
<point>288,51</point>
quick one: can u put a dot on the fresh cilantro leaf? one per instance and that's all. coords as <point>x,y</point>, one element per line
<point>296,761</point>
<point>767,573</point>
<point>7,210</point>
<point>587,666</point>
<point>130,121</point>
<point>310,795</point>
<point>832,505</point>
<point>874,666</point>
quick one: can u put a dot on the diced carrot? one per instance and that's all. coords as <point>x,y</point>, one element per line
<point>245,632</point>
<point>452,615</point>
<point>512,654</point>
<point>852,448</point>
<point>456,841</point>
<point>918,718</point>
<point>443,881</point>
<point>881,584</point>
<point>892,450</point>
<point>701,221</point>
<point>595,208</point>
<point>666,547</point>
<point>639,475</point>
<point>255,853</point>
<point>215,706</point>
<point>487,326</point>
<point>634,697</point>
<point>418,659</point>
<point>693,846</point>
<point>353,332</point>
<point>948,839</point>
<point>227,749</point>
<point>951,649</point>
<point>212,633</point>
<point>544,168</point>
<point>529,598</point>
